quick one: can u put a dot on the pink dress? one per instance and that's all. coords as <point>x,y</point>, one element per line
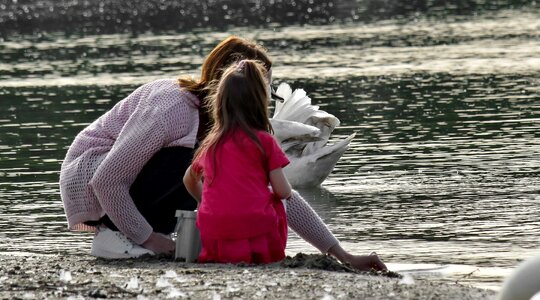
<point>239,218</point>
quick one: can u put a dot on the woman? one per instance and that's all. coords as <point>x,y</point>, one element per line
<point>122,175</point>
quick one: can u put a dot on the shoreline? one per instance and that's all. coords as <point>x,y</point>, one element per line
<point>300,277</point>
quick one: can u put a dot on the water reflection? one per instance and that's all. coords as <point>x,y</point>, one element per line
<point>444,168</point>
<point>158,15</point>
<point>477,46</point>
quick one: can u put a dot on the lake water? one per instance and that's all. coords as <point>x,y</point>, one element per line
<point>442,178</point>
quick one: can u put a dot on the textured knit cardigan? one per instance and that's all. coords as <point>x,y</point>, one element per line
<point>106,156</point>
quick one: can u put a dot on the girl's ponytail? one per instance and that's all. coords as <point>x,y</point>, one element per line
<point>240,102</point>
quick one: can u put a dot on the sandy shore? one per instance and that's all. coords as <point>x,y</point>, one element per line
<point>301,277</point>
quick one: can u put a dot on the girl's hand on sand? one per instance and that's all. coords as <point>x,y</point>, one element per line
<point>159,244</point>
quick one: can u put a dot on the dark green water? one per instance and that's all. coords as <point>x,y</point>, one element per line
<point>444,172</point>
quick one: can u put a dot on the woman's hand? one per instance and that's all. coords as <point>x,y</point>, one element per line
<point>359,262</point>
<point>366,262</point>
<point>159,244</point>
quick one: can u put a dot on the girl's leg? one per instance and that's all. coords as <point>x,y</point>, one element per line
<point>158,190</point>
<point>308,225</point>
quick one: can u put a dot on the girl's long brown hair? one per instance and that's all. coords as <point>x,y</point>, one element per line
<point>240,102</point>
<point>227,52</point>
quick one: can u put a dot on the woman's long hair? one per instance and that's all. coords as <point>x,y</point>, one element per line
<point>240,102</point>
<point>227,52</point>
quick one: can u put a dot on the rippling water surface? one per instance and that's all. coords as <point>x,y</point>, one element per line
<point>442,179</point>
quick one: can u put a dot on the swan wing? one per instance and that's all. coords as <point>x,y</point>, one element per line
<point>285,130</point>
<point>311,170</point>
<point>295,107</point>
<point>303,132</point>
<point>326,123</point>
<point>284,90</point>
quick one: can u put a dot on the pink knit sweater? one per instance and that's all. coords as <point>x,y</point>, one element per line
<point>106,157</point>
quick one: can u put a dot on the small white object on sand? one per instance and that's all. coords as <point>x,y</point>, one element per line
<point>133,283</point>
<point>407,280</point>
<point>162,282</point>
<point>65,276</point>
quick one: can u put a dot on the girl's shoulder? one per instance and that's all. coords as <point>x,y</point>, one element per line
<point>266,138</point>
<point>261,134</point>
<point>238,135</point>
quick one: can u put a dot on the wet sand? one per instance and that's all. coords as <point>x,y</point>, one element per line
<point>301,277</point>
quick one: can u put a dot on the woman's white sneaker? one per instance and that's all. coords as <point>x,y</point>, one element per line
<point>114,244</point>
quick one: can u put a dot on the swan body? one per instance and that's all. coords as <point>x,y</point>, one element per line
<point>291,133</point>
<point>303,132</point>
<point>523,283</point>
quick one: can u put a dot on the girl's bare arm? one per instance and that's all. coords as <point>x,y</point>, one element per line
<point>280,184</point>
<point>193,184</point>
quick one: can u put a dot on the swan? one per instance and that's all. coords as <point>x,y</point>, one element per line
<point>303,132</point>
<point>523,283</point>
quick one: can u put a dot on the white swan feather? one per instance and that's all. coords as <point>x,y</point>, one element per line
<point>303,131</point>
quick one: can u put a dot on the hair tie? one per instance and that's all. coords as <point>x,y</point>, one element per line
<point>240,66</point>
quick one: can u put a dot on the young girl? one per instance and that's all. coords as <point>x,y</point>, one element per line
<point>239,217</point>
